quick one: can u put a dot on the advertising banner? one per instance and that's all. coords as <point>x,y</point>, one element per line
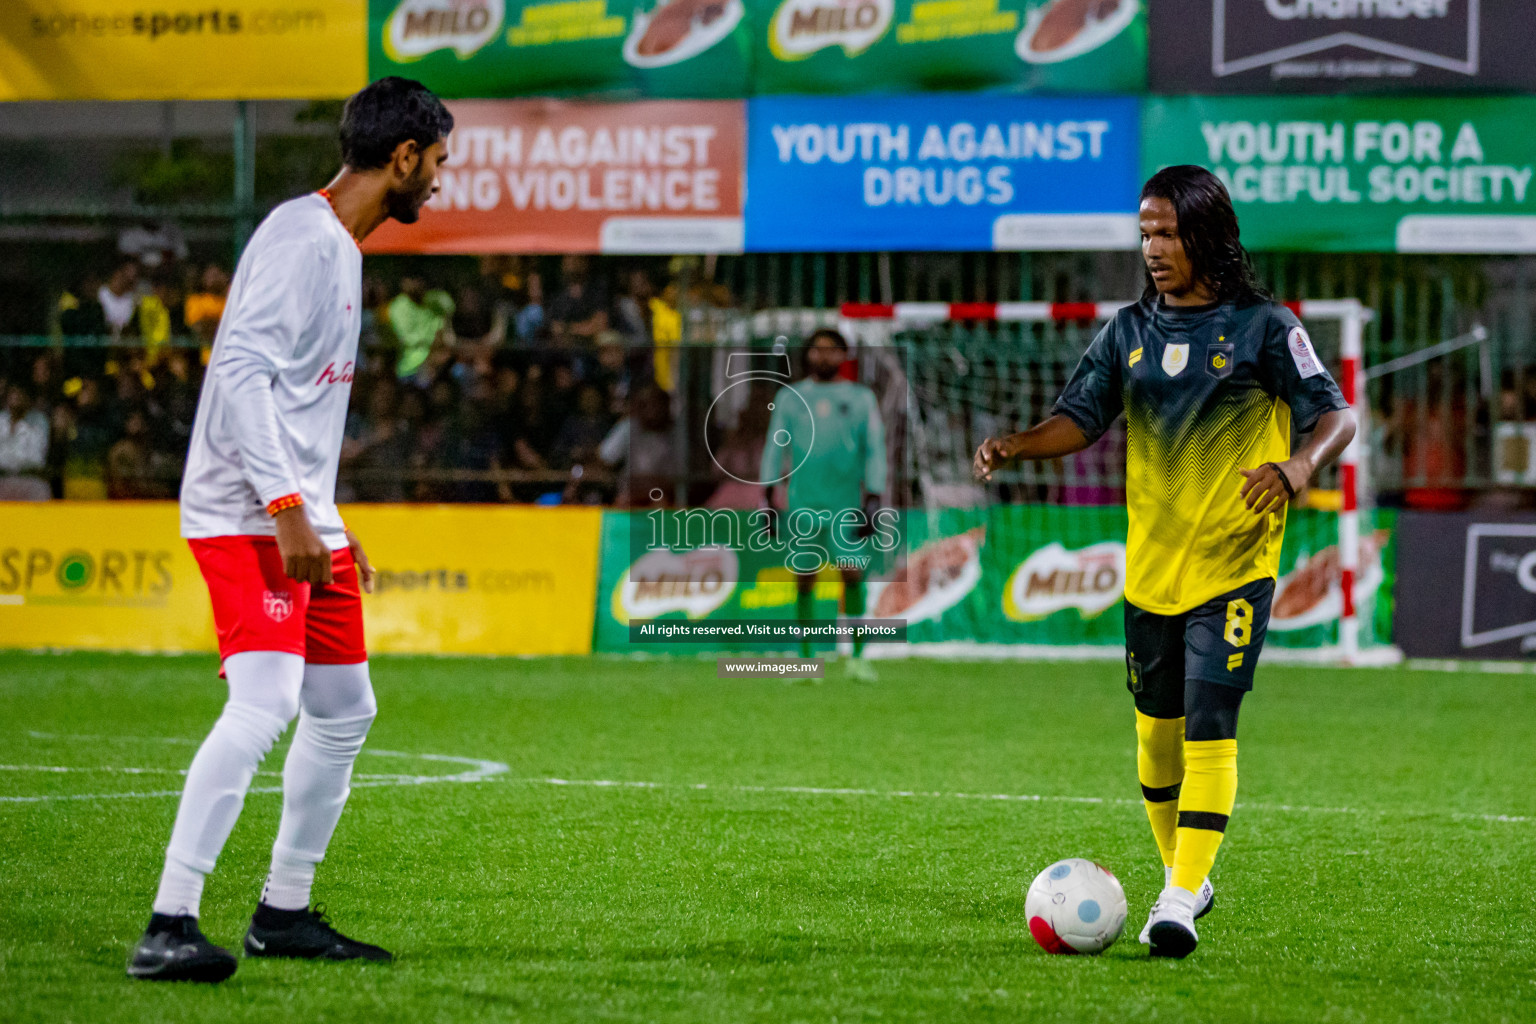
<point>1375,174</point>
<point>1467,586</point>
<point>849,46</point>
<point>505,48</point>
<point>1331,46</point>
<point>452,580</point>
<point>1008,574</point>
<point>942,172</point>
<point>550,176</point>
<point>717,49</point>
<point>477,579</point>
<point>249,49</point>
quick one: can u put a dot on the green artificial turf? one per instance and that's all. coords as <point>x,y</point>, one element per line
<point>1365,876</point>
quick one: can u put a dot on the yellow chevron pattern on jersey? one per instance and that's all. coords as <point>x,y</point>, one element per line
<point>1191,536</point>
<point>1135,358</point>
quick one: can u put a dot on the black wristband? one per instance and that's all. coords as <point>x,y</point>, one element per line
<point>1289,490</point>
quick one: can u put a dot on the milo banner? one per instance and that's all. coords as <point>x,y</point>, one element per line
<point>1375,174</point>
<point>549,176</point>
<point>1009,574</point>
<point>912,45</point>
<point>704,49</point>
<point>1323,46</point>
<point>491,48</point>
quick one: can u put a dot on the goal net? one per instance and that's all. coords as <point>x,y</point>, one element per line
<point>968,371</point>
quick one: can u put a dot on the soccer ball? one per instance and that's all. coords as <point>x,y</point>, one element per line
<point>1075,906</point>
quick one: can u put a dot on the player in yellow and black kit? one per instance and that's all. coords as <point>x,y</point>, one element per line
<point>1212,378</point>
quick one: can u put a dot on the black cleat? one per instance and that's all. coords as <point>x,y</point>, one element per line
<point>305,935</point>
<point>174,949</point>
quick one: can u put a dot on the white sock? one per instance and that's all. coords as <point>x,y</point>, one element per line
<point>263,698</point>
<point>338,708</point>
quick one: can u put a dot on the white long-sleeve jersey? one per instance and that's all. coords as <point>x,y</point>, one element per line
<point>274,402</point>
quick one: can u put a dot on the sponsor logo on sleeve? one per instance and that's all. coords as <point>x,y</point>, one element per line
<point>1302,354</point>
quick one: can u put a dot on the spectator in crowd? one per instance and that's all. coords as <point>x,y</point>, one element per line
<point>417,317</point>
<point>377,444</point>
<point>738,456</point>
<point>155,323</point>
<point>80,309</point>
<point>529,322</point>
<point>641,447</point>
<point>633,311</point>
<point>23,448</point>
<point>204,308</point>
<point>477,326</point>
<point>666,335</point>
<point>174,403</point>
<point>128,461</point>
<point>583,430</point>
<point>88,429</point>
<point>119,298</point>
<point>579,313</point>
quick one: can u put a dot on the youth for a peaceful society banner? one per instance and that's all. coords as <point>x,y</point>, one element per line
<point>1324,46</point>
<point>1362,174</point>
<point>942,172</point>
<point>551,176</point>
<point>1009,574</point>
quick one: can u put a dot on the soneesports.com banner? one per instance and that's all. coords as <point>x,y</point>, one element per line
<point>703,49</point>
<point>451,580</point>
<point>942,172</point>
<point>181,49</point>
<point>1375,174</point>
<point>1008,574</point>
<point>1329,46</point>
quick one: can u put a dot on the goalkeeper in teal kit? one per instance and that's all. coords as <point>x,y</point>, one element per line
<point>826,445</point>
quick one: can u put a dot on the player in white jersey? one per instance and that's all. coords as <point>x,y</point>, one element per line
<point>258,507</point>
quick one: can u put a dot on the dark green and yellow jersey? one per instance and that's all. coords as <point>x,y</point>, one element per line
<point>1206,391</point>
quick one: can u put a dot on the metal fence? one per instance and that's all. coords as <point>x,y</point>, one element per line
<point>1446,421</point>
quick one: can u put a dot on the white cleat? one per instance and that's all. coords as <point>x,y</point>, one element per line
<point>1205,899</point>
<point>1171,929</point>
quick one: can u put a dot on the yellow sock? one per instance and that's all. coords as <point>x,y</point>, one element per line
<point>1205,804</point>
<point>1160,767</point>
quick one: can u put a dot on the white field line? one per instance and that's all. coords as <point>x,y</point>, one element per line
<point>478,769</point>
<point>482,770</point>
<point>1000,797</point>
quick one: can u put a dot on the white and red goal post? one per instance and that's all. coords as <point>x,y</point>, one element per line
<point>1351,316</point>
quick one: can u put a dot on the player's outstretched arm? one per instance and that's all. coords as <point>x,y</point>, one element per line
<point>1052,439</point>
<point>1269,486</point>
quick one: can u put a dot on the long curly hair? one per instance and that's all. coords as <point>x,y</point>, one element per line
<point>1208,229</point>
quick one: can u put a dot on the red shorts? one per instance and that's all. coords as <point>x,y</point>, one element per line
<point>256,607</point>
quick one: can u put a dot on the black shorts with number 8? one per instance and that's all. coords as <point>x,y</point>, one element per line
<point>1216,642</point>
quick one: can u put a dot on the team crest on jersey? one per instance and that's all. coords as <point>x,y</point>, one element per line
<point>278,604</point>
<point>1218,361</point>
<point>1175,358</point>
